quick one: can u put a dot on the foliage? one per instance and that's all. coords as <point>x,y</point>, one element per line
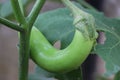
<point>58,22</point>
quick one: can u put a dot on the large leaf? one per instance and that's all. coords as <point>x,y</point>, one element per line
<point>110,50</point>
<point>6,8</point>
<point>57,25</point>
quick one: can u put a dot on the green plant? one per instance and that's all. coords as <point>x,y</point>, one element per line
<point>63,26</point>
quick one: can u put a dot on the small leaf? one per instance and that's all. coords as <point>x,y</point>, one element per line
<point>41,74</point>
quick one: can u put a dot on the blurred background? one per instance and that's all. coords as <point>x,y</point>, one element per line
<point>9,40</point>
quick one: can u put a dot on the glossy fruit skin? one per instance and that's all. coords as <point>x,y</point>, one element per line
<point>59,61</point>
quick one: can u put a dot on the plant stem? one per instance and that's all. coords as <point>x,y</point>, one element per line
<point>21,7</point>
<point>24,42</point>
<point>81,74</point>
<point>35,11</point>
<point>73,8</point>
<point>24,55</point>
<point>17,12</point>
<point>10,24</point>
<point>85,4</point>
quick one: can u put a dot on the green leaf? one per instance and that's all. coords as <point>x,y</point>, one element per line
<point>110,50</point>
<point>57,25</point>
<point>73,75</point>
<point>41,74</point>
<point>6,8</point>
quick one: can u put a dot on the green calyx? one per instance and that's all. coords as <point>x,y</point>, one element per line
<point>83,21</point>
<point>86,26</point>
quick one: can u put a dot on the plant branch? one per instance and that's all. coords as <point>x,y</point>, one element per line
<point>85,4</point>
<point>73,8</point>
<point>35,11</point>
<point>24,55</point>
<point>25,40</point>
<point>10,24</point>
<point>21,6</point>
<point>81,73</point>
<point>17,12</point>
